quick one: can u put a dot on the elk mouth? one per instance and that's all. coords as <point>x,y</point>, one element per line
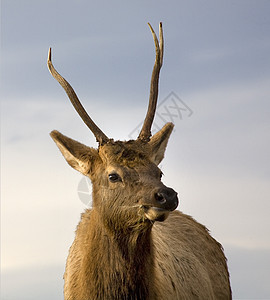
<point>155,213</point>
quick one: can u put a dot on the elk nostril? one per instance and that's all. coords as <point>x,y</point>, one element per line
<point>160,198</point>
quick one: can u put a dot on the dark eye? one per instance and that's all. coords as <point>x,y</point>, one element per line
<point>114,177</point>
<point>160,175</point>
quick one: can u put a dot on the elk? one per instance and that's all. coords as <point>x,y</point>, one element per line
<point>133,243</point>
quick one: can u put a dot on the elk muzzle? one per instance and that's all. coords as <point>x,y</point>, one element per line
<point>164,200</point>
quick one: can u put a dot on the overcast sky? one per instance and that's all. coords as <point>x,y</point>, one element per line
<point>214,85</point>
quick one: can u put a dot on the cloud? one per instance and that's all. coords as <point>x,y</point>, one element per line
<point>41,282</point>
<point>249,271</point>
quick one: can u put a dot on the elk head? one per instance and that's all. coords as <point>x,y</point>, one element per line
<point>127,187</point>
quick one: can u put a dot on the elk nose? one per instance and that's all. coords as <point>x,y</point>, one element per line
<point>166,198</point>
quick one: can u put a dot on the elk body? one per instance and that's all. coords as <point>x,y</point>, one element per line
<point>133,244</point>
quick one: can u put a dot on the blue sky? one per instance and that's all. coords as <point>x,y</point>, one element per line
<point>216,61</point>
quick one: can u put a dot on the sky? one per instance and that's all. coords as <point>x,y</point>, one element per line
<point>214,86</point>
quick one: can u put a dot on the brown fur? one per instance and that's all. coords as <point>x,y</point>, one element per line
<point>119,252</point>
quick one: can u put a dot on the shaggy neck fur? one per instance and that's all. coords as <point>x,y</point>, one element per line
<point>118,265</point>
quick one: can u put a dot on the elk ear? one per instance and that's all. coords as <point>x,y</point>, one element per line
<point>158,143</point>
<point>78,156</point>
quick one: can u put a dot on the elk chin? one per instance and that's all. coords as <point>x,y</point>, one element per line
<point>156,214</point>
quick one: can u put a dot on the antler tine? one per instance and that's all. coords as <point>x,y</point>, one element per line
<point>145,133</point>
<point>100,136</point>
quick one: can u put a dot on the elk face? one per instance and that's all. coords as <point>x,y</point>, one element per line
<point>134,180</point>
<point>125,175</point>
<point>127,187</point>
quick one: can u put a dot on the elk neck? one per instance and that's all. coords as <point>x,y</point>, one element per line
<point>120,260</point>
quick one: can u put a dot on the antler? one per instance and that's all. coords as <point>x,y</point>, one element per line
<point>100,136</point>
<point>145,133</point>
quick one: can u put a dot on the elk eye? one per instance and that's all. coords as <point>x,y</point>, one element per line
<point>114,177</point>
<point>160,175</point>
